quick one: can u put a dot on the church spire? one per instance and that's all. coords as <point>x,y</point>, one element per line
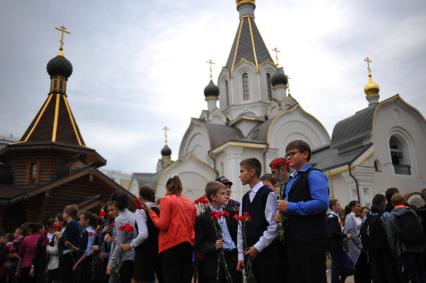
<point>371,89</point>
<point>55,123</point>
<point>248,44</point>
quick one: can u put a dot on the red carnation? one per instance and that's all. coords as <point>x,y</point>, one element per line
<point>280,163</point>
<point>138,203</point>
<point>112,225</point>
<point>127,228</point>
<point>201,200</point>
<point>246,217</point>
<point>226,213</point>
<point>101,213</point>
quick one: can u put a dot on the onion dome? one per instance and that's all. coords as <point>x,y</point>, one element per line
<point>166,151</point>
<point>279,78</point>
<point>211,90</point>
<point>59,66</point>
<point>371,88</point>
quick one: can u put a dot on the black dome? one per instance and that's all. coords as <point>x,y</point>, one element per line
<point>279,78</point>
<point>211,89</point>
<point>166,151</point>
<point>59,66</point>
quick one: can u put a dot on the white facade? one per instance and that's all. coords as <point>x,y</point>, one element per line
<point>257,118</point>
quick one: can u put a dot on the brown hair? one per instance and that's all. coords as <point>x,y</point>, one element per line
<point>212,188</point>
<point>397,199</point>
<point>147,193</point>
<point>332,203</point>
<point>174,186</point>
<point>72,210</point>
<point>301,146</point>
<point>252,163</point>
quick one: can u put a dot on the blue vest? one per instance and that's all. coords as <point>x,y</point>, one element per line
<point>256,209</point>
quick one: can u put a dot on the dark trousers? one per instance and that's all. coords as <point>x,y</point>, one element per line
<point>307,262</point>
<point>66,262</point>
<point>413,264</point>
<point>383,268</point>
<point>52,275</point>
<point>25,276</point>
<point>265,265</point>
<point>283,269</point>
<point>337,268</point>
<point>362,269</point>
<point>126,271</point>
<point>177,264</point>
<point>231,258</point>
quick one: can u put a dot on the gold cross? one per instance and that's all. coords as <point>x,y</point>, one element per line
<point>368,66</point>
<point>276,55</point>
<point>165,129</point>
<point>63,30</point>
<point>211,63</point>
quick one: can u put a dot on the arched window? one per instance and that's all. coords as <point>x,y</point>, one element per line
<point>246,93</point>
<point>400,155</point>
<point>226,93</point>
<point>268,86</point>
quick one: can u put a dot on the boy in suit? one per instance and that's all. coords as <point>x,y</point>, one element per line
<point>209,245</point>
<point>261,230</point>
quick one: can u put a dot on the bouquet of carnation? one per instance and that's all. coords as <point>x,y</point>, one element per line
<point>215,216</point>
<point>243,219</point>
<point>201,204</point>
<point>128,230</point>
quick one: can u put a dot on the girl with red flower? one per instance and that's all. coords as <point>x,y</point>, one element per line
<point>121,261</point>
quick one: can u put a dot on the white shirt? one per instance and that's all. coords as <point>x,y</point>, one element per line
<point>270,233</point>
<point>141,218</point>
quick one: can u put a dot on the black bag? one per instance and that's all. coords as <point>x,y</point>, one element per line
<point>372,233</point>
<point>410,228</point>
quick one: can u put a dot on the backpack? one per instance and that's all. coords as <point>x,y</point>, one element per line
<point>372,233</point>
<point>410,228</point>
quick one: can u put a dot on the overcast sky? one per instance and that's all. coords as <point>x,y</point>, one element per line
<point>140,65</point>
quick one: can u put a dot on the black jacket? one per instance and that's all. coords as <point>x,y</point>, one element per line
<point>205,241</point>
<point>335,234</point>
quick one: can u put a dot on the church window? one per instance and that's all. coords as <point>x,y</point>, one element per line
<point>399,155</point>
<point>268,86</point>
<point>246,93</point>
<point>34,171</point>
<point>226,93</point>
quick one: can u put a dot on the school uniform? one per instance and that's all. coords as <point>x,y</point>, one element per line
<point>147,259</point>
<point>205,241</point>
<point>67,256</point>
<point>87,240</point>
<point>261,232</point>
<point>306,225</point>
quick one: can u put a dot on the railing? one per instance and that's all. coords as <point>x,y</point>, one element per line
<point>402,169</point>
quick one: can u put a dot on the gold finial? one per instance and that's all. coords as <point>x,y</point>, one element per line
<point>276,55</point>
<point>240,2</point>
<point>165,129</point>
<point>211,63</point>
<point>63,30</point>
<point>371,88</point>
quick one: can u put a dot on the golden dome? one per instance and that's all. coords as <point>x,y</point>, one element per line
<point>240,2</point>
<point>371,88</point>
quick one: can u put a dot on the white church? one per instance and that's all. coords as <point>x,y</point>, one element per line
<point>251,113</point>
